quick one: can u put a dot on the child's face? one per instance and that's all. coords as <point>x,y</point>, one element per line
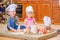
<point>12,13</point>
<point>30,14</point>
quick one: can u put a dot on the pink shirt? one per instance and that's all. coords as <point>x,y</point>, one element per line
<point>29,22</point>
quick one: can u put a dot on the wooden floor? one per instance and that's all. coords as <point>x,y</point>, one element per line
<point>55,38</point>
<point>6,38</point>
<point>3,26</point>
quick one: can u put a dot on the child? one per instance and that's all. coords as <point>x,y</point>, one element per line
<point>29,20</point>
<point>12,19</point>
<point>47,24</point>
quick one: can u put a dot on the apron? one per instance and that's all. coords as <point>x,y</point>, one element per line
<point>12,24</point>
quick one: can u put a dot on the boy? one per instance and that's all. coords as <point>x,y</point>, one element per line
<point>12,19</point>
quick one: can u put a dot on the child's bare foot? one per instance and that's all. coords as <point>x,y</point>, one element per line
<point>27,32</point>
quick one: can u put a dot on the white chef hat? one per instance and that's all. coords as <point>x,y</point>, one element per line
<point>11,7</point>
<point>29,9</point>
<point>47,21</point>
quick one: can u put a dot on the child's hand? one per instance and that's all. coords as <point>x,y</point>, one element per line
<point>27,31</point>
<point>44,31</point>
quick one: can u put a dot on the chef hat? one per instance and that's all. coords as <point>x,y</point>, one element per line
<point>29,9</point>
<point>47,20</point>
<point>11,7</point>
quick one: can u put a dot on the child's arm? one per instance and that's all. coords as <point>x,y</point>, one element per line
<point>34,21</point>
<point>18,22</point>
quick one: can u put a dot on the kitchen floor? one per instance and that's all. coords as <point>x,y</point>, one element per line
<point>55,38</point>
<point>7,38</point>
<point>3,26</point>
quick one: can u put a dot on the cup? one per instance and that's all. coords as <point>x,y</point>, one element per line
<point>34,29</point>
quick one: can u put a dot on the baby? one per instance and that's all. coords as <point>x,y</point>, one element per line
<point>47,24</point>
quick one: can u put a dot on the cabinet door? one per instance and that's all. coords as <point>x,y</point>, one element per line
<point>33,0</point>
<point>44,9</point>
<point>13,1</point>
<point>23,0</point>
<point>34,5</point>
<point>56,12</point>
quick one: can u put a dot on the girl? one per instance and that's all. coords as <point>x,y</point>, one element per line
<point>29,20</point>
